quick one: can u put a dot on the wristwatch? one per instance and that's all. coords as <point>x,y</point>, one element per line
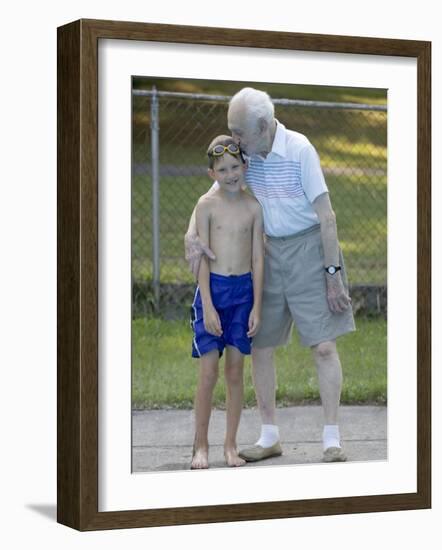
<point>331,269</point>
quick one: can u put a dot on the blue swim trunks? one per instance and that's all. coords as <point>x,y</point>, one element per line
<point>232,297</point>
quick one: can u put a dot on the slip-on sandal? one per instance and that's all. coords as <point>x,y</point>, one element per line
<point>256,452</point>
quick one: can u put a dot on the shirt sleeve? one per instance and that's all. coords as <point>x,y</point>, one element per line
<point>313,181</point>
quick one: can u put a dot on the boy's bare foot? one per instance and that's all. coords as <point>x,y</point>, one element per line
<point>200,459</point>
<point>232,458</point>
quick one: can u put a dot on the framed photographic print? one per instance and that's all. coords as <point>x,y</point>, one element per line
<point>173,121</point>
<point>138,105</point>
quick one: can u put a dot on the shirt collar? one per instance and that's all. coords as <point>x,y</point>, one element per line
<point>279,146</point>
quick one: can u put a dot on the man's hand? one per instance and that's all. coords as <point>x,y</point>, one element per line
<point>254,322</point>
<point>338,299</point>
<point>212,324</point>
<point>194,249</point>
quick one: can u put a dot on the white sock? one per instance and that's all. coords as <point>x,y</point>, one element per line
<point>330,437</point>
<point>269,435</point>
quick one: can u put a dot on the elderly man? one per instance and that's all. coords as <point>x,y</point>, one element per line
<point>305,281</point>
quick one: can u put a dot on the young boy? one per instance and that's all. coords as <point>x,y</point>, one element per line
<point>226,309</point>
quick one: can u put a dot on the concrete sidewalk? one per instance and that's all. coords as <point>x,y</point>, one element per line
<point>162,440</point>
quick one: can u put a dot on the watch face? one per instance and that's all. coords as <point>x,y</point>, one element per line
<point>331,270</point>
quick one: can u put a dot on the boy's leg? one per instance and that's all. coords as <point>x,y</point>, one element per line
<point>234,374</point>
<point>208,376</point>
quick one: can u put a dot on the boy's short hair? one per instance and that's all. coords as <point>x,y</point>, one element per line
<point>221,140</point>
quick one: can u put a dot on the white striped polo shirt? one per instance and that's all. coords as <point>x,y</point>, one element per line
<point>286,183</point>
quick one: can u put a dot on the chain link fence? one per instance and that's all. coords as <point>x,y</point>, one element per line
<point>171,133</point>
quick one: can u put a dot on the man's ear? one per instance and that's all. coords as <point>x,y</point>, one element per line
<point>211,173</point>
<point>262,125</point>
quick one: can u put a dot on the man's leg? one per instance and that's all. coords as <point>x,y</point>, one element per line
<point>329,371</point>
<point>264,380</point>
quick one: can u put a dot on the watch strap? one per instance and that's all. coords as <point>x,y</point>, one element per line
<point>332,269</point>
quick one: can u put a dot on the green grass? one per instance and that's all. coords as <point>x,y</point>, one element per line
<point>277,90</point>
<point>346,138</point>
<point>164,375</point>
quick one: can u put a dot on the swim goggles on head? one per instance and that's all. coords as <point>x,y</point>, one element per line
<point>219,150</point>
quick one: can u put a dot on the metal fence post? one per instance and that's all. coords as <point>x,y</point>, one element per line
<point>155,151</point>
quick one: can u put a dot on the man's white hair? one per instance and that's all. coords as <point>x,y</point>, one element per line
<point>257,105</point>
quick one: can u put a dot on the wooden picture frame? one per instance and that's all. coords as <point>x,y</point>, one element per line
<point>77,224</point>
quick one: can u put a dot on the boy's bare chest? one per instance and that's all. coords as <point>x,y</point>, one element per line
<point>234,222</point>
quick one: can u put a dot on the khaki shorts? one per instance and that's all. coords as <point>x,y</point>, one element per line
<point>295,292</point>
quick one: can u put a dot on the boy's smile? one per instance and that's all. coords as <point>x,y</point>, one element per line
<point>228,171</point>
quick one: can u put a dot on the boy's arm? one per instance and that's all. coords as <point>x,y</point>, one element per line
<point>257,269</point>
<point>211,319</point>
<point>193,247</point>
<point>192,222</point>
<point>202,225</point>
